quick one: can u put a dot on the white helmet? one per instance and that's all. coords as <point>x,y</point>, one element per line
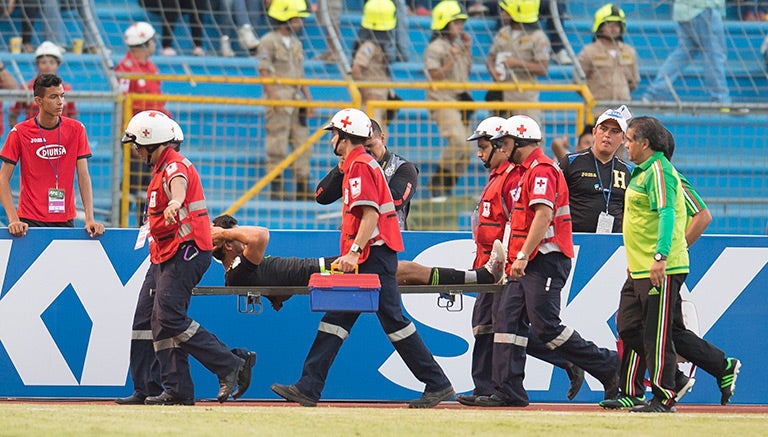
<point>520,126</point>
<point>177,130</point>
<point>48,48</point>
<point>149,128</point>
<point>138,33</point>
<point>351,121</point>
<point>487,128</point>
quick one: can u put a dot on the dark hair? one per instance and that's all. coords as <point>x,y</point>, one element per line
<point>44,81</point>
<point>375,128</point>
<point>354,139</point>
<point>651,129</point>
<point>225,221</point>
<point>669,141</point>
<point>588,128</point>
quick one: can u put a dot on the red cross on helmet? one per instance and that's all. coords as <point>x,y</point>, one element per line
<point>148,128</point>
<point>351,121</point>
<point>487,128</point>
<point>138,34</point>
<point>520,126</point>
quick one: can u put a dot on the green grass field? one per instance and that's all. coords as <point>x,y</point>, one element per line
<point>211,419</point>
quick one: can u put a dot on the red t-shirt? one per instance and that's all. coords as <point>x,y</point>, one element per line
<point>193,221</point>
<point>130,64</point>
<point>30,109</point>
<point>542,183</point>
<point>43,154</point>
<point>365,185</point>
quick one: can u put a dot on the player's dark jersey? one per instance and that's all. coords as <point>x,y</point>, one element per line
<point>272,271</point>
<point>591,185</point>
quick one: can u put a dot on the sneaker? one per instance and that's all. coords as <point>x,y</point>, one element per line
<point>225,47</point>
<point>247,38</point>
<point>431,399</point>
<point>727,382</point>
<point>292,394</point>
<point>623,401</point>
<point>168,51</point>
<point>562,58</point>
<point>655,406</point>
<point>683,385</point>
<point>198,51</point>
<point>495,264</point>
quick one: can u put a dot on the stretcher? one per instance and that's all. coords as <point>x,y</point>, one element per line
<point>450,297</point>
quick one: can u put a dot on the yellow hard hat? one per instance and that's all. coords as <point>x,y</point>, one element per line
<point>445,12</point>
<point>609,12</point>
<point>379,15</point>
<point>522,11</point>
<point>284,10</point>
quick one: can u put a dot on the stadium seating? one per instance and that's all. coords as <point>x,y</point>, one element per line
<point>651,31</point>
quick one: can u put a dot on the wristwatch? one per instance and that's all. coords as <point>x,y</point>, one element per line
<point>521,256</point>
<point>659,257</point>
<point>356,248</point>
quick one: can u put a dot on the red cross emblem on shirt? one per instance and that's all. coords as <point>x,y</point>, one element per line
<point>540,183</point>
<point>521,129</point>
<point>355,184</point>
<point>346,122</point>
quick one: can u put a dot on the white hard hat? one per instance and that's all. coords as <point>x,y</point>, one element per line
<point>520,126</point>
<point>48,48</point>
<point>351,121</point>
<point>138,33</point>
<point>148,128</point>
<point>487,128</point>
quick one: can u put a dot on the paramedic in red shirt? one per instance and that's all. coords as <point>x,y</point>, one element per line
<point>180,228</point>
<point>51,148</point>
<point>539,257</point>
<point>370,239</point>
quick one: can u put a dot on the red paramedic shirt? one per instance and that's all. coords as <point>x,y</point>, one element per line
<point>365,185</point>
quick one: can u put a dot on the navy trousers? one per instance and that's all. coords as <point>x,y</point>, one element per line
<point>177,336</point>
<point>335,328</point>
<point>534,301</point>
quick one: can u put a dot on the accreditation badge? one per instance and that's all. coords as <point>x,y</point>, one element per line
<point>141,239</point>
<point>604,223</point>
<point>56,203</point>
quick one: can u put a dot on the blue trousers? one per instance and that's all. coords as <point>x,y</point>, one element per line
<point>490,315</point>
<point>176,336</point>
<point>145,369</point>
<point>534,302</point>
<point>335,328</point>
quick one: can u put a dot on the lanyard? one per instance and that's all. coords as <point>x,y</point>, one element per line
<point>48,156</point>
<point>607,196</point>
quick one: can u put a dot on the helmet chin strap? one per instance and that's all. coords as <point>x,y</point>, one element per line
<point>512,153</point>
<point>487,162</point>
<point>336,146</point>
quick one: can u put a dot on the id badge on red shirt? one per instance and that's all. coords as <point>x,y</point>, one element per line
<point>56,204</point>
<point>141,239</point>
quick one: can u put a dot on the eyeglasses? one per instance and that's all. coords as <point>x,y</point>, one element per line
<point>610,130</point>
